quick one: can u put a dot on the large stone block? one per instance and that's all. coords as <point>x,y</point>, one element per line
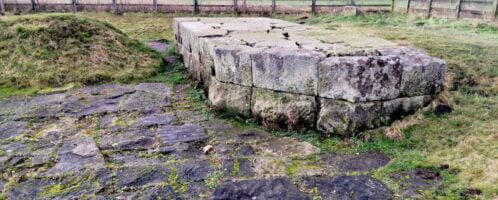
<point>422,74</point>
<point>294,71</point>
<point>397,108</point>
<point>359,79</point>
<point>230,97</point>
<point>279,110</point>
<point>232,64</point>
<point>346,118</point>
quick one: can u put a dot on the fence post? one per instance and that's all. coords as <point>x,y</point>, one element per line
<point>495,13</point>
<point>273,6</point>
<point>2,8</point>
<point>114,6</point>
<point>429,10</point>
<point>313,7</point>
<point>154,5</point>
<point>392,5</point>
<point>73,2</point>
<point>459,7</point>
<point>408,7</point>
<point>235,6</point>
<point>33,5</point>
<point>196,6</point>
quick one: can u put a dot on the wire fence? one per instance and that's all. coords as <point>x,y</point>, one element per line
<point>479,9</point>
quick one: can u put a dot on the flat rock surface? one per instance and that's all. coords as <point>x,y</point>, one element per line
<point>146,141</point>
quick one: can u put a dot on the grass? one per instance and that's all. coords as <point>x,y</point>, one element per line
<point>53,50</point>
<point>466,139</point>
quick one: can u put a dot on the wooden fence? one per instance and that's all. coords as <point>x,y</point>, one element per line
<point>470,9</point>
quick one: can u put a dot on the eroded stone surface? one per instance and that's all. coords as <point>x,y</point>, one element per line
<point>233,57</point>
<point>229,97</point>
<point>278,188</point>
<point>90,149</point>
<point>278,110</point>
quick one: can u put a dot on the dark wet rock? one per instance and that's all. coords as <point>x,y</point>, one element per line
<point>442,109</point>
<point>157,88</point>
<point>15,148</point>
<point>45,106</point>
<point>245,150</point>
<point>108,91</point>
<point>155,120</point>
<point>359,162</point>
<point>137,139</point>
<point>12,129</point>
<point>141,100</point>
<point>2,185</point>
<point>470,192</point>
<point>132,160</point>
<point>140,176</point>
<point>278,188</point>
<point>152,193</point>
<point>195,171</point>
<point>41,153</point>
<point>81,107</point>
<point>224,149</point>
<point>348,187</point>
<point>238,167</point>
<point>183,133</point>
<point>412,182</point>
<point>30,189</point>
<point>78,153</point>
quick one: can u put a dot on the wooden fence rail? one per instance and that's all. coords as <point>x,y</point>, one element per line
<point>481,9</point>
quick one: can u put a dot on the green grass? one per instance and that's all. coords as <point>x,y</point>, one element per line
<point>52,50</point>
<point>466,139</point>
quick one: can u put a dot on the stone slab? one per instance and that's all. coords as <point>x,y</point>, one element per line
<point>359,79</point>
<point>278,110</point>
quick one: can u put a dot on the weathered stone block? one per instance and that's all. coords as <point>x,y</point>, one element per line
<point>359,79</point>
<point>397,108</point>
<point>278,110</point>
<point>346,118</point>
<point>233,64</point>
<point>231,97</point>
<point>280,69</point>
<point>422,74</point>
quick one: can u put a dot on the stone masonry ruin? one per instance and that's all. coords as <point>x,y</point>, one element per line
<point>291,76</point>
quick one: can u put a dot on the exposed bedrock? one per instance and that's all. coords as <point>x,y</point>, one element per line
<point>291,76</point>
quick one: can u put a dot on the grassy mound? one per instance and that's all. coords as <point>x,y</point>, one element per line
<point>54,50</point>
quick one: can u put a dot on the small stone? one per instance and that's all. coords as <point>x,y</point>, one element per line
<point>207,149</point>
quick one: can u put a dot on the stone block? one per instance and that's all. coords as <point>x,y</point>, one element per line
<point>359,78</point>
<point>397,108</point>
<point>279,110</point>
<point>294,71</point>
<point>232,64</point>
<point>422,74</point>
<point>229,97</point>
<point>346,118</point>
